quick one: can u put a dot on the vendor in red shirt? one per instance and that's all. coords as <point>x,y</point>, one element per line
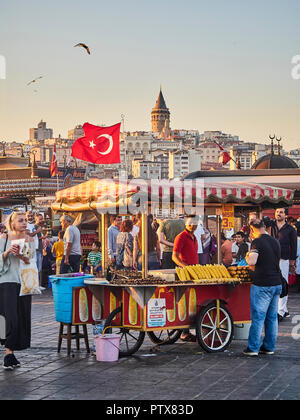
<point>185,252</point>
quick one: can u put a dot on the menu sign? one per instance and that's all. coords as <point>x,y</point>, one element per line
<point>156,314</point>
<point>228,216</point>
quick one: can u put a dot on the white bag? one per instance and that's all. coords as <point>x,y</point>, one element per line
<point>29,278</point>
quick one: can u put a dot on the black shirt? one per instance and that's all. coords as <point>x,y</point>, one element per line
<point>267,272</point>
<point>39,236</point>
<point>287,237</point>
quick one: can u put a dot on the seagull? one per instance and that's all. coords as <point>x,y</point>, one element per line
<point>84,46</point>
<point>34,80</point>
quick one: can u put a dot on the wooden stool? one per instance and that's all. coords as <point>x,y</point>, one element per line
<point>69,336</point>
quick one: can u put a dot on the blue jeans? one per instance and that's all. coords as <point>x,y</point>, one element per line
<point>39,260</point>
<point>264,308</point>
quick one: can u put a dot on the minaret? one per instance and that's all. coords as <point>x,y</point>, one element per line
<point>160,113</point>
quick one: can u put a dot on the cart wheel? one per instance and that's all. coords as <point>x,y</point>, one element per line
<point>130,341</point>
<point>164,336</point>
<point>212,338</point>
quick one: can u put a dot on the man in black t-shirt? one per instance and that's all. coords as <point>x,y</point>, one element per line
<point>263,258</point>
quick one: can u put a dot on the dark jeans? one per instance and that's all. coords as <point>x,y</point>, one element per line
<point>298,282</point>
<point>204,258</point>
<point>74,263</point>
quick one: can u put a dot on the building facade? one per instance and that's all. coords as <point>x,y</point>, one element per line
<point>76,132</point>
<point>40,133</point>
<point>183,162</point>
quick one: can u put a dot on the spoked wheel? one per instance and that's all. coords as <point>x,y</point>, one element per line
<point>130,340</point>
<point>164,336</point>
<point>214,335</point>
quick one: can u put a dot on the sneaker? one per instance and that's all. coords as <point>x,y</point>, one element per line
<point>8,362</point>
<point>42,288</point>
<point>15,361</point>
<point>248,352</point>
<point>287,315</point>
<point>280,318</point>
<point>265,351</point>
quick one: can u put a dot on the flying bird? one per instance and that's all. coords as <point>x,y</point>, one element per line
<point>83,46</point>
<point>34,80</point>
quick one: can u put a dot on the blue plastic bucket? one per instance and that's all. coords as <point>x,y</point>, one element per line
<point>62,289</point>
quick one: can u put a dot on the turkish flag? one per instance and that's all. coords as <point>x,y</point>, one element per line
<point>226,158</point>
<point>53,165</point>
<point>100,145</point>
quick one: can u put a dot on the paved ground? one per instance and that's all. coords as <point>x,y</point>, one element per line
<point>177,372</point>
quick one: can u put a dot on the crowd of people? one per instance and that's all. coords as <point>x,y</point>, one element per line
<point>271,248</point>
<point>125,242</point>
<point>66,253</point>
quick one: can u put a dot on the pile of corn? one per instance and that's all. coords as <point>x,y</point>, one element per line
<point>204,274</point>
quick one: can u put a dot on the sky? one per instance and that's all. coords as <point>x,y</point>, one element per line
<point>223,65</point>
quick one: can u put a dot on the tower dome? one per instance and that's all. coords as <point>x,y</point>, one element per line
<point>160,113</point>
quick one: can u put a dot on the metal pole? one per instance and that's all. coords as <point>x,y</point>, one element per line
<point>144,246</point>
<point>104,243</point>
<point>125,149</point>
<point>219,239</point>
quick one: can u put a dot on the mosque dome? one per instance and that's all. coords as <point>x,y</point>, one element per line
<point>273,161</point>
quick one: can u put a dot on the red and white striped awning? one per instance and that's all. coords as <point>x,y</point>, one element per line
<point>96,193</point>
<point>247,192</point>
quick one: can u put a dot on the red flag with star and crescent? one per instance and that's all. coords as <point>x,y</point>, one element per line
<point>100,145</point>
<point>53,165</point>
<point>225,157</point>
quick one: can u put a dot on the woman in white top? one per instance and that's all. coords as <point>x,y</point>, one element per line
<point>15,310</point>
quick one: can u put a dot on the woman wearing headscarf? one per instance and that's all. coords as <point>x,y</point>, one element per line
<point>209,248</point>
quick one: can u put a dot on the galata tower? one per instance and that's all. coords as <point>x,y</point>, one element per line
<point>160,113</point>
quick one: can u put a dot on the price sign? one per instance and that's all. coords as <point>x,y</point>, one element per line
<point>157,313</point>
<point>227,216</point>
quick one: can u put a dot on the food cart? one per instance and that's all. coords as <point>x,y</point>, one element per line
<point>158,303</point>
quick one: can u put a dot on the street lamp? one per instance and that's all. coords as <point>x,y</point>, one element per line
<point>29,161</point>
<point>34,152</point>
<point>22,151</point>
<point>3,143</point>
